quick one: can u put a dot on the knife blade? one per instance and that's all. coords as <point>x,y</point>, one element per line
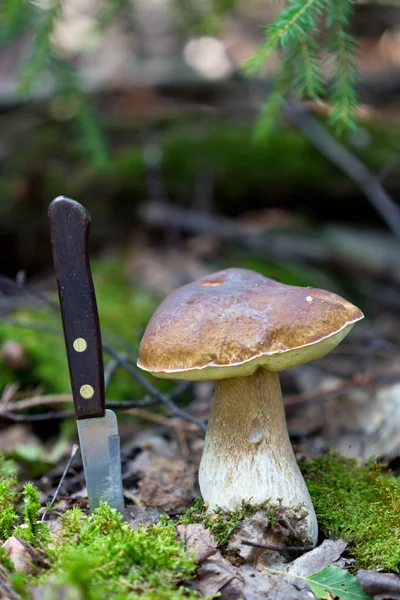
<point>97,427</point>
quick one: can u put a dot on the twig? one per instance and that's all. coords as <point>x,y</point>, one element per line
<point>34,402</point>
<point>74,452</point>
<point>62,414</point>
<point>362,381</point>
<point>207,554</point>
<point>9,391</point>
<point>120,360</point>
<point>348,163</point>
<point>163,398</point>
<point>31,325</point>
<point>50,399</point>
<point>149,416</point>
<point>166,422</point>
<point>8,410</point>
<point>228,535</point>
<point>278,548</point>
<point>277,244</point>
<point>34,553</point>
<point>109,371</point>
<point>13,595</point>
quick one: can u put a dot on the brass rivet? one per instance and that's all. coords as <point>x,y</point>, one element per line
<point>86,391</point>
<point>80,344</point>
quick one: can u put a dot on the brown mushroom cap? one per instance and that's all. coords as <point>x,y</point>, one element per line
<point>232,322</point>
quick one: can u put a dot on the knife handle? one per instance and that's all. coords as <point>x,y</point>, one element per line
<point>69,228</point>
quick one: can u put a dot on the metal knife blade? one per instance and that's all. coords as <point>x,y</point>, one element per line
<point>97,427</point>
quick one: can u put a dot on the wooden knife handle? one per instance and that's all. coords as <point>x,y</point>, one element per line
<point>69,228</point>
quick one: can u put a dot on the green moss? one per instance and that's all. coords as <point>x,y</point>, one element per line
<point>360,503</point>
<point>222,523</point>
<point>104,558</point>
<point>99,555</point>
<point>8,496</point>
<point>11,512</point>
<point>33,530</point>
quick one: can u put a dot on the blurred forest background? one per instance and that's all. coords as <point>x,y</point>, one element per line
<point>139,110</point>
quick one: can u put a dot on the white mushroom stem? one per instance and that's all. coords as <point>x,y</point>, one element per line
<point>247,454</point>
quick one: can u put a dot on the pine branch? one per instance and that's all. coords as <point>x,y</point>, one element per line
<point>343,48</point>
<point>300,15</point>
<point>308,82</point>
<point>111,10</point>
<point>15,16</point>
<point>296,31</point>
<point>42,48</point>
<point>201,19</point>
<point>269,114</point>
<point>68,87</point>
<point>86,121</point>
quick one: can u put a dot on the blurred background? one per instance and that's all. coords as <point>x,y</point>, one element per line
<point>139,110</point>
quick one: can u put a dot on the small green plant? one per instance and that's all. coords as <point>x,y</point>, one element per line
<point>360,503</point>
<point>32,507</point>
<point>33,530</point>
<point>8,495</point>
<point>8,518</point>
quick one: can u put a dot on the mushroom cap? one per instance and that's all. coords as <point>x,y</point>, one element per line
<point>230,323</point>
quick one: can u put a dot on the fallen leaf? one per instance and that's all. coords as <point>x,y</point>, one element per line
<point>215,574</point>
<point>254,529</point>
<point>167,484</point>
<point>325,555</point>
<point>332,582</point>
<point>266,585</point>
<point>142,515</point>
<point>163,495</point>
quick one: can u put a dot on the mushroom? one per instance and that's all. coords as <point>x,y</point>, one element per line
<point>240,328</point>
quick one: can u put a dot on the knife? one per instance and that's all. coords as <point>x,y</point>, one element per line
<point>97,427</point>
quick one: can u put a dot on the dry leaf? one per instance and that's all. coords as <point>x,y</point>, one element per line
<point>268,586</point>
<point>53,591</point>
<point>141,515</point>
<point>382,586</point>
<point>215,574</point>
<point>254,529</point>
<point>167,484</point>
<point>164,495</point>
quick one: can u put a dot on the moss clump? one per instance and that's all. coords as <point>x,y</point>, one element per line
<point>360,503</point>
<point>222,523</point>
<point>8,495</point>
<point>33,530</point>
<point>29,528</point>
<point>104,558</point>
<point>99,556</point>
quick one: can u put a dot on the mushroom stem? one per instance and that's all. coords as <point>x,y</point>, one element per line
<point>247,454</point>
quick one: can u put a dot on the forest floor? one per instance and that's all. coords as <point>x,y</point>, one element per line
<point>168,546</point>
